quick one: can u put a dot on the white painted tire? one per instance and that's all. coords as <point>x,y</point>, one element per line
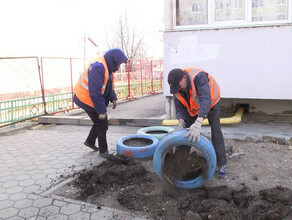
<point>155,131</point>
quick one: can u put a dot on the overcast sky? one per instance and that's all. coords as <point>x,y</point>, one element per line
<point>57,27</point>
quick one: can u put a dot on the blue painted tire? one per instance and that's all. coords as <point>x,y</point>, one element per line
<point>143,151</point>
<point>177,138</point>
<point>147,130</point>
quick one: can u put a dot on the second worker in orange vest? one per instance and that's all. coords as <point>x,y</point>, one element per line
<point>94,91</point>
<point>197,96</point>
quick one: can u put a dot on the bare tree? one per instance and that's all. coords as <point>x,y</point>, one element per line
<point>128,38</point>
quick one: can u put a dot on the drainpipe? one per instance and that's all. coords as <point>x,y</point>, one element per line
<point>231,120</point>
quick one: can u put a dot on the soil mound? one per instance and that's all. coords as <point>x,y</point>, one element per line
<point>115,172</point>
<point>135,187</point>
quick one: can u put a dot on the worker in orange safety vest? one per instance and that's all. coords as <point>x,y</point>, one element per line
<point>196,97</point>
<point>94,91</point>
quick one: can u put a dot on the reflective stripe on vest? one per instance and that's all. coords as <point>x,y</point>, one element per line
<point>85,75</point>
<point>81,89</point>
<point>194,106</point>
<point>82,83</point>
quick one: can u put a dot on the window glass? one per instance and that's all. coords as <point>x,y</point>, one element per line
<point>269,10</point>
<point>191,12</point>
<point>281,2</point>
<point>227,10</point>
<point>230,12</point>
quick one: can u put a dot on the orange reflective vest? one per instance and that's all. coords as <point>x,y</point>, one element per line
<point>81,88</point>
<point>194,106</point>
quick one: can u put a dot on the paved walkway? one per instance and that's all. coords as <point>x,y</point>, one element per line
<point>37,160</point>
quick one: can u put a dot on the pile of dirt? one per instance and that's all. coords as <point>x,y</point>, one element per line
<point>114,173</point>
<point>134,187</point>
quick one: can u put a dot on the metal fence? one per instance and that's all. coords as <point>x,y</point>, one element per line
<point>33,86</point>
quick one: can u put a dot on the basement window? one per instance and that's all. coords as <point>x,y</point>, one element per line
<point>204,14</point>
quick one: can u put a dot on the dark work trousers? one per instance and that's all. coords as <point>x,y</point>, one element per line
<point>216,133</point>
<point>98,131</point>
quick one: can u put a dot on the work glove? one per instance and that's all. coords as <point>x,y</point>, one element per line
<point>182,124</point>
<point>102,116</point>
<point>194,132</point>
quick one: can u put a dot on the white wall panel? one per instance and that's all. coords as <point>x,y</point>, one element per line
<point>252,63</point>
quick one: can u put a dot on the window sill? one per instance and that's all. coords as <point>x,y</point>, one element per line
<point>233,26</point>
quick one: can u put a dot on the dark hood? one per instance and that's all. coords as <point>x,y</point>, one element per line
<point>114,57</point>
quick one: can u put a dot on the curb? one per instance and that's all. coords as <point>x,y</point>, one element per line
<point>8,130</point>
<point>83,120</point>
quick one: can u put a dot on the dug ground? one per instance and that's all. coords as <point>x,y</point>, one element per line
<point>258,187</point>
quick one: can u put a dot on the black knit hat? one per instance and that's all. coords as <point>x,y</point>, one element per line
<point>174,77</point>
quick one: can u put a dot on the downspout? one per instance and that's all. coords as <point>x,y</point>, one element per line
<point>231,120</point>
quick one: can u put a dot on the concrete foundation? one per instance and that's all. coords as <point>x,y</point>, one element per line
<point>269,107</point>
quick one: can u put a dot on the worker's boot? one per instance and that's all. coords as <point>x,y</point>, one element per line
<point>222,171</point>
<point>92,146</point>
<point>103,148</point>
<point>104,155</point>
<point>91,138</point>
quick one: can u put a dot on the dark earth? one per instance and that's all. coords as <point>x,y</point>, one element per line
<point>184,165</point>
<point>136,142</point>
<point>156,132</point>
<point>132,185</point>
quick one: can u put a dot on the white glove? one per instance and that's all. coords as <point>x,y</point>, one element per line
<point>194,132</point>
<point>102,116</point>
<point>182,124</point>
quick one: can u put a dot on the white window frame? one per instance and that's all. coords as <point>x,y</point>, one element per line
<point>247,22</point>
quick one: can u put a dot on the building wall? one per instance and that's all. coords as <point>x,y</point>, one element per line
<point>249,63</point>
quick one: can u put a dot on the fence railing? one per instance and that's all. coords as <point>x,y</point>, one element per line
<point>32,86</point>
